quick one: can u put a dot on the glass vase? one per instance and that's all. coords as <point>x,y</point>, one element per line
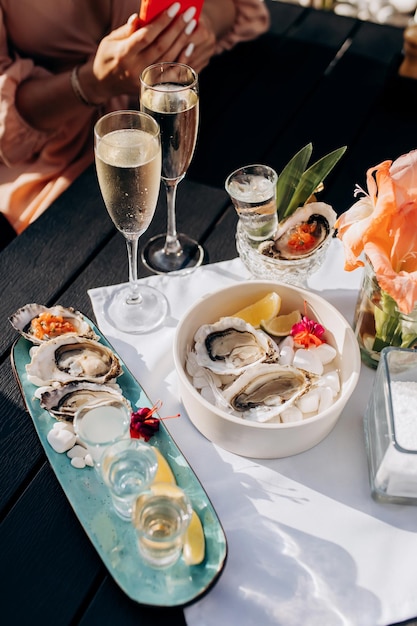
<point>378,322</point>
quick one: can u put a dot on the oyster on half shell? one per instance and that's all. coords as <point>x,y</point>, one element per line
<point>230,346</point>
<point>63,401</point>
<point>302,233</point>
<point>262,393</point>
<point>65,359</point>
<point>28,322</point>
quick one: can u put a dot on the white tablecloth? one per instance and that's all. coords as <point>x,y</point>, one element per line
<point>307,543</point>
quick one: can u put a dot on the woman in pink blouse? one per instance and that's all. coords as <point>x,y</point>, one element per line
<point>63,63</point>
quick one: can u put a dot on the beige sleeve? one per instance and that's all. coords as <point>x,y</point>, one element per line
<point>18,141</point>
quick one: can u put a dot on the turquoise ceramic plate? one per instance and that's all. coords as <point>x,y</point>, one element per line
<point>114,539</point>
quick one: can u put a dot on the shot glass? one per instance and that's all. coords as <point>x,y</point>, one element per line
<point>391,427</point>
<point>252,190</point>
<point>101,425</point>
<point>161,516</point>
<point>128,467</point>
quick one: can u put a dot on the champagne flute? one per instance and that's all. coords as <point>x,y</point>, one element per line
<point>169,92</point>
<point>128,163</point>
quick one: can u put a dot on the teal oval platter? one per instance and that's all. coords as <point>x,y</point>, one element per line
<point>113,538</point>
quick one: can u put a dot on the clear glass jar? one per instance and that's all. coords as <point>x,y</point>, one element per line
<point>391,429</point>
<point>378,323</point>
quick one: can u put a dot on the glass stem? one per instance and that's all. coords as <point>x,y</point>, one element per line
<point>172,245</point>
<point>132,253</point>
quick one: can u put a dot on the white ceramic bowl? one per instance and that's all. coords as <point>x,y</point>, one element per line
<point>263,440</point>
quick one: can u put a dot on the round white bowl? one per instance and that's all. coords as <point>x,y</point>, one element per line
<point>263,440</point>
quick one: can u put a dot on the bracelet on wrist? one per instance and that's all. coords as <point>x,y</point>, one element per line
<point>78,90</point>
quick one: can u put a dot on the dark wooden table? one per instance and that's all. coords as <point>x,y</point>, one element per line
<point>314,77</point>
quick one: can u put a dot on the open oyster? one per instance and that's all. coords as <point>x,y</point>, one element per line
<point>230,345</point>
<point>65,359</point>
<point>40,323</point>
<point>302,233</point>
<point>262,393</point>
<point>63,401</point>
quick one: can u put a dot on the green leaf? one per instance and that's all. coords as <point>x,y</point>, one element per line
<point>290,177</point>
<point>310,179</point>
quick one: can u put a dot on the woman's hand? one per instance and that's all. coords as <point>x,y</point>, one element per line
<point>201,46</point>
<point>124,53</point>
<point>216,19</point>
<point>45,103</point>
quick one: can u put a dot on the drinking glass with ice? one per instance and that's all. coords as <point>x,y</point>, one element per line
<point>252,190</point>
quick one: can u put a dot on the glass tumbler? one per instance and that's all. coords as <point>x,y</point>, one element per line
<point>252,190</point>
<point>161,516</point>
<point>128,467</point>
<point>101,425</point>
<point>391,427</point>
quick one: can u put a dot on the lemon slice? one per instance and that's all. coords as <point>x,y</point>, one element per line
<point>164,472</point>
<point>194,543</point>
<point>281,325</point>
<point>264,309</point>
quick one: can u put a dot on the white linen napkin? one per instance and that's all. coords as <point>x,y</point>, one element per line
<point>307,543</point>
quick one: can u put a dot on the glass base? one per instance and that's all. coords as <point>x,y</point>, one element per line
<point>293,272</point>
<point>140,316</point>
<point>183,262</point>
<point>369,358</point>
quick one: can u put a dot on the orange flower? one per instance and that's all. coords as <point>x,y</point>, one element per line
<point>383,226</point>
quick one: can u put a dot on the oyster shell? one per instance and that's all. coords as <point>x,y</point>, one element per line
<point>230,345</point>
<point>63,401</point>
<point>69,358</point>
<point>262,393</point>
<point>302,233</point>
<point>23,321</point>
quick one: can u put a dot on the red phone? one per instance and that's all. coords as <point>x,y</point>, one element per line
<point>149,9</point>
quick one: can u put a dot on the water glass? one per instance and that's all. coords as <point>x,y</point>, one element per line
<point>391,427</point>
<point>101,425</point>
<point>128,467</point>
<point>161,516</point>
<point>253,192</point>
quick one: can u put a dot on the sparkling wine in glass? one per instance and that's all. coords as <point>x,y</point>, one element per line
<point>128,163</point>
<point>169,92</point>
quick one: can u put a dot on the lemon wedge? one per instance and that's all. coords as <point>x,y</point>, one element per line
<point>164,473</point>
<point>281,325</point>
<point>194,543</point>
<point>264,309</point>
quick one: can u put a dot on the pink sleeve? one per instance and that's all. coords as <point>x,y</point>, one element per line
<point>252,19</point>
<point>18,141</point>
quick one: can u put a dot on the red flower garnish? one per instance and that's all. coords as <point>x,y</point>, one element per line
<point>143,424</point>
<point>307,333</point>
